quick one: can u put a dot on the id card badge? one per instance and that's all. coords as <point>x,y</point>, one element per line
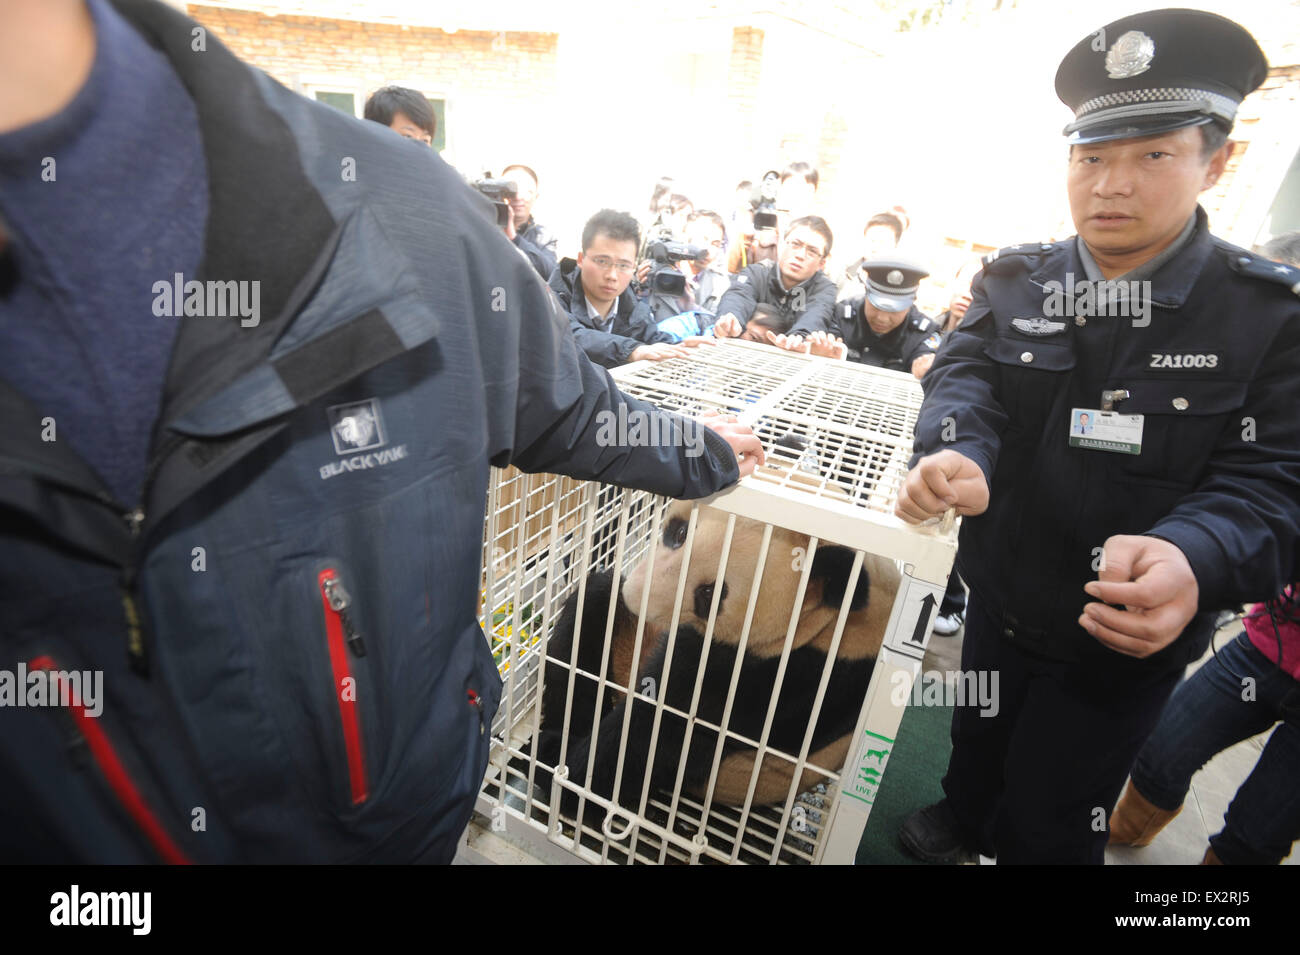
<point>1099,430</point>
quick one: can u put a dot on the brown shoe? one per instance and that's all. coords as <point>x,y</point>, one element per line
<point>1135,821</point>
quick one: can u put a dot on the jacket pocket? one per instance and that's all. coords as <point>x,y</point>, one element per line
<point>90,744</point>
<point>345,644</point>
<point>1183,419</point>
<point>1032,377</point>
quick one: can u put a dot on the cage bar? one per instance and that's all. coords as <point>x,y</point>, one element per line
<point>851,427</point>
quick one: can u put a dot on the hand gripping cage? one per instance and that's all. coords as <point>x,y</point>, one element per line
<point>838,437</point>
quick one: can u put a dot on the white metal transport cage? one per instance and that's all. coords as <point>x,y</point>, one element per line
<point>712,681</point>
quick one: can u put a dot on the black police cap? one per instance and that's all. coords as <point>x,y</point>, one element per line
<point>1158,71</point>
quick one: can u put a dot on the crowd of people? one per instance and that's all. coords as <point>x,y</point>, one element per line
<point>652,288</point>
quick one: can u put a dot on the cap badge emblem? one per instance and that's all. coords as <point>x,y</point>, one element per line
<point>1130,55</point>
<point>894,277</point>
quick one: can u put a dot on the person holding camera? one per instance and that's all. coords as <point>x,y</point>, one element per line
<point>703,282</point>
<point>794,283</point>
<point>607,321</point>
<point>530,237</point>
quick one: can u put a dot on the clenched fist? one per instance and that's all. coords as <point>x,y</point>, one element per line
<point>1155,584</point>
<point>939,481</point>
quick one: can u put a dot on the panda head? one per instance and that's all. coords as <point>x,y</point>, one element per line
<point>779,586</point>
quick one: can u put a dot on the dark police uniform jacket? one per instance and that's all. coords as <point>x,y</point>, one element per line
<point>917,335</point>
<point>808,305</point>
<point>221,681</point>
<point>1215,375</point>
<point>632,325</point>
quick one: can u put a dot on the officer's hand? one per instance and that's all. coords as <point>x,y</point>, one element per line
<point>939,481</point>
<point>922,364</point>
<point>826,345</point>
<point>657,352</point>
<point>1154,582</point>
<point>696,340</point>
<point>749,450</point>
<point>728,326</point>
<point>788,342</point>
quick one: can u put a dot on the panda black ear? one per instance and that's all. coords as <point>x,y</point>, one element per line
<point>833,565</point>
<point>793,441</point>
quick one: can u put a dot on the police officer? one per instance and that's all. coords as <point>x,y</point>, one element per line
<point>1097,563</point>
<point>884,327</point>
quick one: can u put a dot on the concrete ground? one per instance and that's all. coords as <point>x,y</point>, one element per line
<point>1185,839</point>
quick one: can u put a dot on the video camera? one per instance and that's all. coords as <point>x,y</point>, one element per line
<point>666,278</point>
<point>764,202</point>
<point>499,191</point>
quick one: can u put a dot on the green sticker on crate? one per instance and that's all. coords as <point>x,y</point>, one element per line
<point>864,783</point>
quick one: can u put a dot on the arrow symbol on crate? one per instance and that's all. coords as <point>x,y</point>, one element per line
<point>922,622</point>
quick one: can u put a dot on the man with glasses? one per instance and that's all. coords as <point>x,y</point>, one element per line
<point>607,321</point>
<point>794,283</point>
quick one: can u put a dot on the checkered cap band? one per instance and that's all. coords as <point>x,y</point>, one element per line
<point>1167,97</point>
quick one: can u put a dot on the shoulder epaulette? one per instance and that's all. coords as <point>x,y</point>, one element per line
<point>1258,267</point>
<point>1023,249</point>
<point>923,323</point>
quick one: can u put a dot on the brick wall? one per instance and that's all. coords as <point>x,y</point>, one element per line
<point>743,74</point>
<point>489,80</point>
<point>1263,145</point>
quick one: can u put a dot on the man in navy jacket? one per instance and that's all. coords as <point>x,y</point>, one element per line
<point>607,320</point>
<point>262,544</point>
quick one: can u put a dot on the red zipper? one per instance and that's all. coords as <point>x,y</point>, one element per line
<point>119,780</point>
<point>340,636</point>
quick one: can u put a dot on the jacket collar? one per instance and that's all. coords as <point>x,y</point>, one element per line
<point>229,385</point>
<point>774,277</point>
<point>1170,286</point>
<point>254,175</point>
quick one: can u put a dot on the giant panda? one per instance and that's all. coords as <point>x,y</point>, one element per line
<point>870,608</point>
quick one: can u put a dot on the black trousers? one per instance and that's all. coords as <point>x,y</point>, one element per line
<point>1036,780</point>
<point>954,598</point>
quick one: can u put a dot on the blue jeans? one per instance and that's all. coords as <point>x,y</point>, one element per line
<point>1206,715</point>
